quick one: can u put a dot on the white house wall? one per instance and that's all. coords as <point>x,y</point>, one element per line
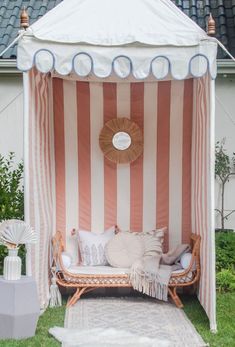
<point>11,115</point>
<point>11,125</point>
<point>225,127</point>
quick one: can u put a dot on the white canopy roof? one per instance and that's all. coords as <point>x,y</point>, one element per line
<point>138,37</point>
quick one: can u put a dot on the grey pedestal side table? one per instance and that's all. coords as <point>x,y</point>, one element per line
<point>19,308</point>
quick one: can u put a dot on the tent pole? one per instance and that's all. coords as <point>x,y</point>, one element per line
<point>213,325</point>
<point>26,166</point>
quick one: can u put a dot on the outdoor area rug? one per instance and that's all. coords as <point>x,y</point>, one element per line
<point>129,321</point>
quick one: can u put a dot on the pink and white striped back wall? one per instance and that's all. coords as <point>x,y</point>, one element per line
<point>154,191</point>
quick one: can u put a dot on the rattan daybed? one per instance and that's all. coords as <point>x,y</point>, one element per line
<point>99,278</point>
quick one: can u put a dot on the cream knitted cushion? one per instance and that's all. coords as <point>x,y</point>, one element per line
<point>124,249</point>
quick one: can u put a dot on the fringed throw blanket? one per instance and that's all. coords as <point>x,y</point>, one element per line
<point>150,275</point>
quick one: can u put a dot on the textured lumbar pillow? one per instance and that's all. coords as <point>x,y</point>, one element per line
<point>124,249</point>
<point>92,245</point>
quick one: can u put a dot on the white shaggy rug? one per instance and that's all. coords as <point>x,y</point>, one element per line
<point>137,322</point>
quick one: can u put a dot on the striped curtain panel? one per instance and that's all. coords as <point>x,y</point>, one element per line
<point>41,178</point>
<point>202,193</point>
<point>74,186</point>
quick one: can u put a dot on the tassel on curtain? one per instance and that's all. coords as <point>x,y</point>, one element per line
<point>55,296</point>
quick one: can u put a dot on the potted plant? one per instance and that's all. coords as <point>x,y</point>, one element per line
<point>224,170</point>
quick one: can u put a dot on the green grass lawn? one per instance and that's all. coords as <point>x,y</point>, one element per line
<point>225,320</point>
<point>225,317</point>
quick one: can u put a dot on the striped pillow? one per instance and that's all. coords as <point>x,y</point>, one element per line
<point>152,241</point>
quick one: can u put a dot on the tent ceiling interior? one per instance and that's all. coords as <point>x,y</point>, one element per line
<point>84,66</point>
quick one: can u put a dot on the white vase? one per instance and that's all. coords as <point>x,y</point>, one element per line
<point>12,266</point>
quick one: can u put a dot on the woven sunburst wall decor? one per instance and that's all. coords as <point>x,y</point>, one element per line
<point>121,140</point>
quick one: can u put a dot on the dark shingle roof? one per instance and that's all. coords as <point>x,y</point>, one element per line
<point>10,19</point>
<point>223,12</point>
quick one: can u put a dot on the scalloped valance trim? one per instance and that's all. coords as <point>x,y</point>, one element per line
<point>138,62</point>
<point>128,70</point>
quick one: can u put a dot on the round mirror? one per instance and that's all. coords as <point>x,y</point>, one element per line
<point>121,140</point>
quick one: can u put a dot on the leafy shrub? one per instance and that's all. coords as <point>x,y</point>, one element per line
<point>11,192</point>
<point>11,197</point>
<point>225,250</point>
<point>225,261</point>
<point>225,280</point>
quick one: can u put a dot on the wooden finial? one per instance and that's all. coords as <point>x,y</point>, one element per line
<point>211,26</point>
<point>24,19</point>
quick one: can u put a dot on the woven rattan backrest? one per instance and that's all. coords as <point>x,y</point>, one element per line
<point>195,244</point>
<point>58,246</point>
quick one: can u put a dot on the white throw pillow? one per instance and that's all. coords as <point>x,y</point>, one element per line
<point>124,249</point>
<point>185,261</point>
<point>92,245</point>
<point>66,259</point>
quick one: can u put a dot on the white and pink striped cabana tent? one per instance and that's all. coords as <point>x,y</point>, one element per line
<point>86,62</point>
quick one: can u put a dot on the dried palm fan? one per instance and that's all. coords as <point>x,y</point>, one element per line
<point>121,140</point>
<point>14,232</point>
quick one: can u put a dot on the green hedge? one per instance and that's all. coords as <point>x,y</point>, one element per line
<point>225,261</point>
<point>225,250</point>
